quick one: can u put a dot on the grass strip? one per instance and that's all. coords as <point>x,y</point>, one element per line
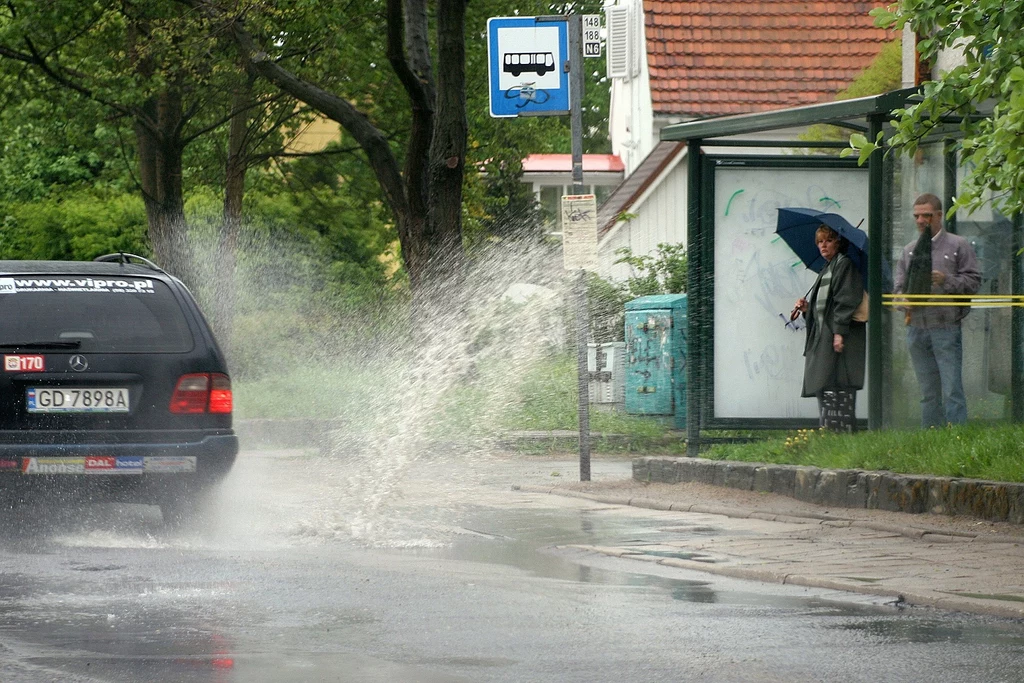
<point>974,451</point>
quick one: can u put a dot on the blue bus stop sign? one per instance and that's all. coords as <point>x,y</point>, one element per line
<point>526,66</point>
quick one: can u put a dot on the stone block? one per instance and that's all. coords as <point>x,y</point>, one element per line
<point>671,471</point>
<point>857,490</point>
<point>718,472</point>
<point>654,467</point>
<point>642,469</point>
<point>739,475</point>
<point>763,479</point>
<point>902,493</point>
<point>783,480</point>
<point>658,470</point>
<point>872,482</point>
<point>805,482</point>
<point>676,467</point>
<point>981,499</point>
<point>986,500</point>
<point>1015,496</point>
<point>998,509</point>
<point>831,487</point>
<point>939,494</point>
<point>686,469</point>
<point>704,471</point>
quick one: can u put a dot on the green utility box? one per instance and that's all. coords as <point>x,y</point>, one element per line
<point>656,356</point>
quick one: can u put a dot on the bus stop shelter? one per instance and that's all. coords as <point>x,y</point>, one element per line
<point>744,363</point>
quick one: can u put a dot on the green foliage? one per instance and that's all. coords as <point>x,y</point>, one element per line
<point>38,156</point>
<point>117,57</point>
<point>318,240</point>
<point>976,451</point>
<point>80,227</point>
<point>663,272</point>
<point>885,73</point>
<point>985,94</point>
<point>606,300</point>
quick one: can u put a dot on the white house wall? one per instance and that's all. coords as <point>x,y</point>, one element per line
<point>660,218</point>
<point>630,111</point>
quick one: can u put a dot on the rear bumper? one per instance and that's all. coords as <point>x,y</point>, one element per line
<point>131,472</point>
<point>215,451</point>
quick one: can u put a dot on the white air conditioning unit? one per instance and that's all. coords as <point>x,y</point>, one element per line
<point>606,367</point>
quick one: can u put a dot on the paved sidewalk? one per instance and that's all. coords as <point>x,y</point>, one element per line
<point>951,563</point>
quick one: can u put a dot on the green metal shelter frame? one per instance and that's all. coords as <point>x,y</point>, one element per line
<point>869,115</point>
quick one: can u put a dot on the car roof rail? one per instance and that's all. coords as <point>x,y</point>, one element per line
<point>123,258</point>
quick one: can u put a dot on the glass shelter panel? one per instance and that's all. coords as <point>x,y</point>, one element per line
<point>758,353</point>
<point>985,331</point>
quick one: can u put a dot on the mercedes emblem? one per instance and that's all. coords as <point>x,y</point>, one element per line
<point>78,362</point>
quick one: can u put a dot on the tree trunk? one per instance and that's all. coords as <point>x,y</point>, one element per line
<point>157,123</point>
<point>234,192</point>
<point>157,132</point>
<point>442,231</point>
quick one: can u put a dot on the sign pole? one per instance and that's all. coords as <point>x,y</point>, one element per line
<point>582,317</point>
<point>535,68</point>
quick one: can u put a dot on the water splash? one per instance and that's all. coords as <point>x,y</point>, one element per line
<point>399,395</point>
<point>480,347</point>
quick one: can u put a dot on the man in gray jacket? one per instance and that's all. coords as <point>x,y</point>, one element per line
<point>934,336</point>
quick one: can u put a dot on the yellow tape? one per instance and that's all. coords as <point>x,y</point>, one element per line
<point>1000,297</point>
<point>950,300</point>
<point>946,304</point>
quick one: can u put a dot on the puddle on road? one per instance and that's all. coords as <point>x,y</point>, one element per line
<point>676,555</point>
<point>953,630</point>
<point>291,667</point>
<point>551,543</point>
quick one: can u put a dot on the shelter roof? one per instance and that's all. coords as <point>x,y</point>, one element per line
<point>732,56</point>
<point>853,113</point>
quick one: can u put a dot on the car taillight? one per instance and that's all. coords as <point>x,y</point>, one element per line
<point>202,393</point>
<point>220,393</point>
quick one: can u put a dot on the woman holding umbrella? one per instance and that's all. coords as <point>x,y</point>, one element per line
<point>835,346</point>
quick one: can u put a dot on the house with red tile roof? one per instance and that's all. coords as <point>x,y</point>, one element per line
<point>671,61</point>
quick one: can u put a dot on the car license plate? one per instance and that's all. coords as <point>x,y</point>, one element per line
<point>82,400</point>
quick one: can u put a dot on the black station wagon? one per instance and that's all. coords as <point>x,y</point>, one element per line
<point>113,387</point>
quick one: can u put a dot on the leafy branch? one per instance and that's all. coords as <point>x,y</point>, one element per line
<point>979,102</point>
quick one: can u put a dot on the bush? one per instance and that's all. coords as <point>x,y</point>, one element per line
<point>663,272</point>
<point>80,227</point>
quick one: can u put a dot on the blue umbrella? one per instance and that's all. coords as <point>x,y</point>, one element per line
<point>796,226</point>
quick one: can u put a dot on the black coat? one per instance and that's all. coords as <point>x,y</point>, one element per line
<point>823,367</point>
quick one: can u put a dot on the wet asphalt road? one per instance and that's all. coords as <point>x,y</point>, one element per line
<point>323,569</point>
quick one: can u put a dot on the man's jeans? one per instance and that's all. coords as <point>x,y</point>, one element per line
<point>938,356</point>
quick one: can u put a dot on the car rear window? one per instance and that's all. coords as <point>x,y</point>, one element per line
<point>122,315</point>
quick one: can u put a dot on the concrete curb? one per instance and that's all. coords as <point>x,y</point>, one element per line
<point>988,500</point>
<point>946,602</point>
<point>915,532</point>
